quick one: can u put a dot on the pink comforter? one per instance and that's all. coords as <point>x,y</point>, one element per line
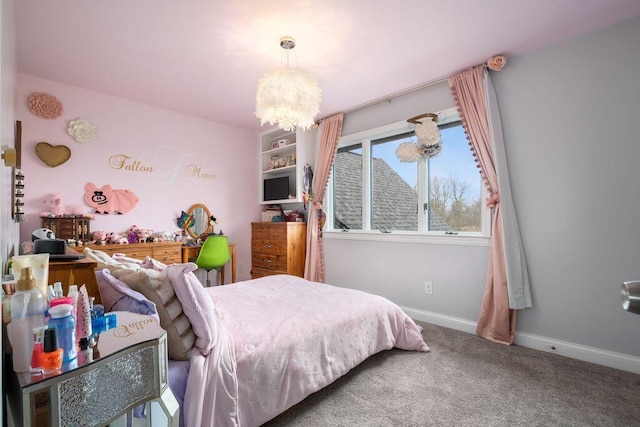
<point>281,338</point>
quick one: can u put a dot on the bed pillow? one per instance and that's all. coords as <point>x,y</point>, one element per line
<point>158,289</point>
<point>197,305</point>
<point>117,296</point>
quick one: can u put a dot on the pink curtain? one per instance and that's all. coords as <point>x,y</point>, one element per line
<point>330,135</point>
<point>497,321</point>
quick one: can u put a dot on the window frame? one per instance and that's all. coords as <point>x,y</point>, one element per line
<point>446,116</point>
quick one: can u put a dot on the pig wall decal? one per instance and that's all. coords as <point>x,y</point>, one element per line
<point>106,200</point>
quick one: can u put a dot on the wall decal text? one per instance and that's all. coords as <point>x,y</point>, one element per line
<point>195,171</point>
<point>124,162</point>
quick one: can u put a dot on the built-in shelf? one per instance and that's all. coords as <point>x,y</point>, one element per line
<point>285,154</point>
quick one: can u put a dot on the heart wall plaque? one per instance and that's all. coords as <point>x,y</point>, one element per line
<point>52,155</point>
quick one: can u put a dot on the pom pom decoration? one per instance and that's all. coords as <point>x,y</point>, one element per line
<point>81,130</point>
<point>408,152</point>
<point>496,63</point>
<point>429,140</point>
<point>428,133</point>
<point>45,106</point>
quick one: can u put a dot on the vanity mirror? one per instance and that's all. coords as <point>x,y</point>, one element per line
<point>199,225</point>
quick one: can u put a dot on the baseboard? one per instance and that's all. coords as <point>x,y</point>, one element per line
<point>599,356</point>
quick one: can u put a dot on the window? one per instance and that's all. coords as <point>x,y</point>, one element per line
<point>371,190</point>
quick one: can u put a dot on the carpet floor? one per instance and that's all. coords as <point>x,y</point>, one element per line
<point>468,381</point>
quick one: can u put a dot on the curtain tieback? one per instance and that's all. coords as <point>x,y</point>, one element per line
<point>493,200</point>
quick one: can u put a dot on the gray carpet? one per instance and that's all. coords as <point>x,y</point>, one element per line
<point>468,381</point>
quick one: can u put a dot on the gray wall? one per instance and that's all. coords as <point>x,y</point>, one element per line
<point>573,146</point>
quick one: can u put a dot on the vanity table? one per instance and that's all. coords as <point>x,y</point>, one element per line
<point>199,224</point>
<point>130,370</point>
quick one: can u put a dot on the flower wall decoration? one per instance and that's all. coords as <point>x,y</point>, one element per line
<point>82,130</point>
<point>496,63</point>
<point>45,106</point>
<point>429,140</point>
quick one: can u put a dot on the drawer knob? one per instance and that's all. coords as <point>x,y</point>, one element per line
<point>267,260</point>
<point>267,246</point>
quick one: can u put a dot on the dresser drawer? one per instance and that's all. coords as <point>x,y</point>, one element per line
<point>269,261</point>
<point>261,272</point>
<point>269,246</point>
<point>168,255</point>
<point>270,231</point>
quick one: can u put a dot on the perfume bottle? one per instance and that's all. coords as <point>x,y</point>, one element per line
<point>51,358</point>
<point>85,355</point>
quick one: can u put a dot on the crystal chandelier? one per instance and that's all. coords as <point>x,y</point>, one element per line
<point>287,96</point>
<point>429,140</point>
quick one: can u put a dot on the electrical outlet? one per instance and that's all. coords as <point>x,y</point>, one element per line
<point>551,348</point>
<point>428,288</point>
<point>240,268</point>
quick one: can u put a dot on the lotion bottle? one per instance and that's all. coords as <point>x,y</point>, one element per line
<point>27,312</point>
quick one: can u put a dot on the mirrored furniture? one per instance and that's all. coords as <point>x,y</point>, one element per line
<point>103,390</point>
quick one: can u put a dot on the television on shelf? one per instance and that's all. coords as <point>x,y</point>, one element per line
<point>276,188</point>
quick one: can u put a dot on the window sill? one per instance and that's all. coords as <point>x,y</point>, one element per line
<point>397,237</point>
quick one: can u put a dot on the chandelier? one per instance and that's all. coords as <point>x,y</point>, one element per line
<point>287,96</point>
<point>429,140</point>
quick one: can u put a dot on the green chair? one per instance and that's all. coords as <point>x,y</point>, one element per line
<point>214,254</point>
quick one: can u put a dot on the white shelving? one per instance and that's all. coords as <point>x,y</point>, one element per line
<point>285,154</point>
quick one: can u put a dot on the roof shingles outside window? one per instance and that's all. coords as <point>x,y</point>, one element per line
<point>396,203</point>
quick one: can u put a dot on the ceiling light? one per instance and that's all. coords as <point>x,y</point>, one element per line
<point>288,97</point>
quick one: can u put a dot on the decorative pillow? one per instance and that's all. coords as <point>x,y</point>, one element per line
<point>158,289</point>
<point>117,296</point>
<point>196,303</point>
<point>153,264</point>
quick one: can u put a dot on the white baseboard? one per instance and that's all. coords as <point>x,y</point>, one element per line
<point>599,356</point>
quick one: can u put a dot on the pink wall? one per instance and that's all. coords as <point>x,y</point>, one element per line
<point>170,143</point>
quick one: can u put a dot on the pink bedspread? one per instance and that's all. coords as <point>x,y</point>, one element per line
<point>281,338</point>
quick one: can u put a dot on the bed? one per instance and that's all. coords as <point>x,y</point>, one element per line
<point>263,345</point>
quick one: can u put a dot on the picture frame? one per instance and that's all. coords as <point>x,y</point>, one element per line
<point>275,145</point>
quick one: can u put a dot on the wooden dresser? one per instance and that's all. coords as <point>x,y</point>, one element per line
<point>166,252</point>
<point>278,248</point>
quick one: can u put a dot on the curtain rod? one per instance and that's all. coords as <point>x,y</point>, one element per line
<point>389,98</point>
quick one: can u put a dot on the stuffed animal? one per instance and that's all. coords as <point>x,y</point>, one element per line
<point>56,207</point>
<point>117,239</point>
<point>132,234</point>
<point>99,236</point>
<point>144,235</point>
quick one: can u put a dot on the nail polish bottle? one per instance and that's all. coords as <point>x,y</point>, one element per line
<point>51,358</point>
<point>38,349</point>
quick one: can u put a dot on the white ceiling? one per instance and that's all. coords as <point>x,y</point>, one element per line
<point>204,57</point>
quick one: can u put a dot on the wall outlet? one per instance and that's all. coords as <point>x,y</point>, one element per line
<point>428,288</point>
<point>240,268</point>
